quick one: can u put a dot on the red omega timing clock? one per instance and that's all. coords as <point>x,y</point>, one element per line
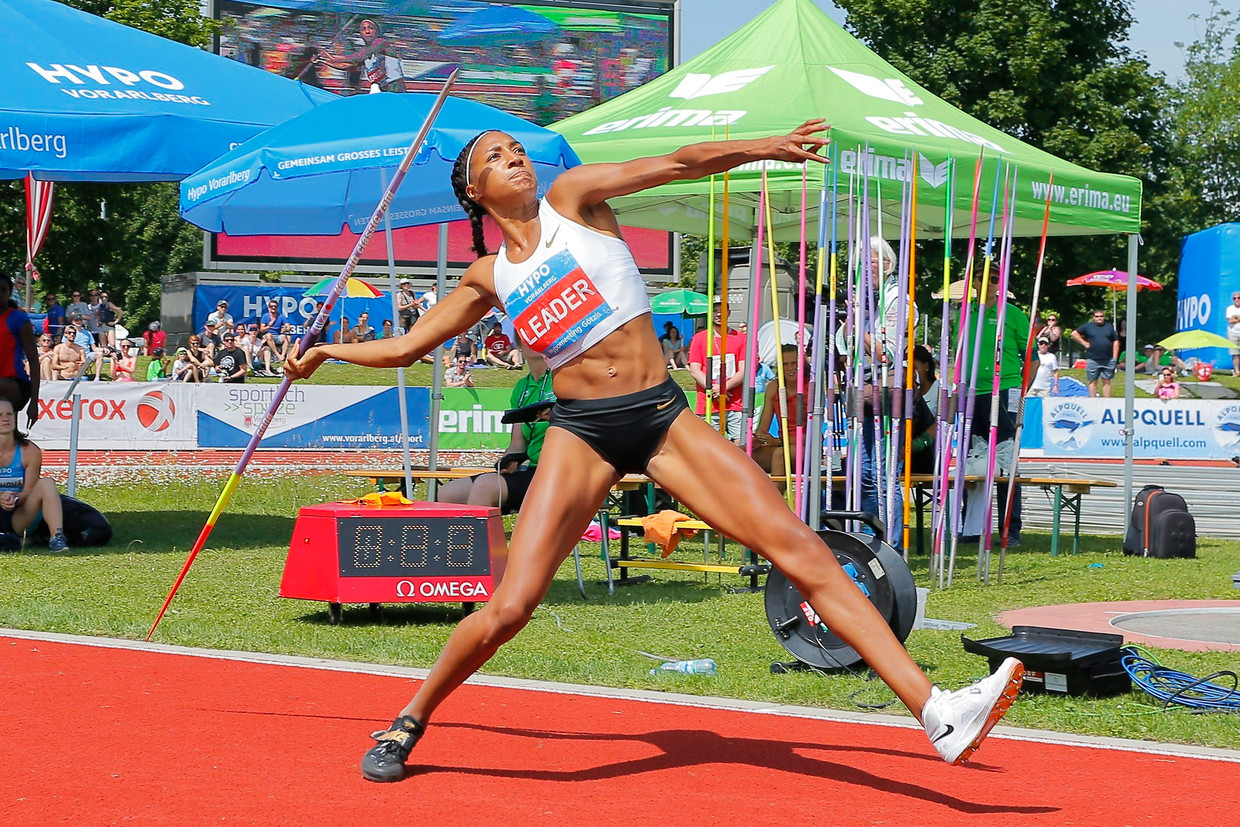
<point>419,552</point>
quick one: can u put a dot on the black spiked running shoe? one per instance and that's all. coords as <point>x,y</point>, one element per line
<point>385,761</point>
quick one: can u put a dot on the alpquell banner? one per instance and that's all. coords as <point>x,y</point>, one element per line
<point>1175,429</point>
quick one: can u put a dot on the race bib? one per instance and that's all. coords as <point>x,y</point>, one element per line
<point>557,305</point>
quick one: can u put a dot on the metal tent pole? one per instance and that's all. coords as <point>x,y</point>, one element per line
<point>402,403</point>
<point>1130,368</point>
<point>441,278</point>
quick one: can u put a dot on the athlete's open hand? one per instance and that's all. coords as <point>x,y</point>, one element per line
<point>300,367</point>
<point>803,143</point>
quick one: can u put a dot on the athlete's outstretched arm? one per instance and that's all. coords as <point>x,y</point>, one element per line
<point>455,313</point>
<point>589,185</point>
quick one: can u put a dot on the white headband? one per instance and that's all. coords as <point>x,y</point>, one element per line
<point>469,159</point>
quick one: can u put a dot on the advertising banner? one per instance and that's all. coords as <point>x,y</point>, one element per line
<point>311,416</point>
<point>246,303</point>
<point>117,416</point>
<point>469,419</point>
<point>1176,429</point>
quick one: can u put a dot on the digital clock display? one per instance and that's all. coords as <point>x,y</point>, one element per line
<point>412,547</point>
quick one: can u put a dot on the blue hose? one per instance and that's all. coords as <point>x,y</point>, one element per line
<point>1180,688</point>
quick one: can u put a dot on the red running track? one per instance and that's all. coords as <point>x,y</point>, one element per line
<point>94,735</point>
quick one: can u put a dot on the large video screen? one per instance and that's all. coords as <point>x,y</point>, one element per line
<point>543,62</point>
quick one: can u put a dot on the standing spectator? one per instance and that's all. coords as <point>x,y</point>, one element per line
<point>19,354</point>
<point>108,316</point>
<point>726,393</point>
<point>1101,344</point>
<point>1053,334</point>
<point>428,299</point>
<point>223,320</point>
<point>55,317</point>
<point>231,362</point>
<point>1167,388</point>
<point>153,339</point>
<point>92,317</point>
<point>362,331</point>
<point>1046,379</point>
<point>500,351</point>
<point>77,308</point>
<point>157,370</point>
<point>124,363</point>
<point>1233,331</point>
<point>46,349</point>
<point>458,375</point>
<point>407,306</point>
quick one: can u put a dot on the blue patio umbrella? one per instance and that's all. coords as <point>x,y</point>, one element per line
<point>497,24</point>
<point>326,169</point>
<point>87,99</point>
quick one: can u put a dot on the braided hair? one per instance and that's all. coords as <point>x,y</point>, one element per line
<point>460,180</point>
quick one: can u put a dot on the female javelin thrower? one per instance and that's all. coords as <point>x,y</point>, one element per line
<point>569,282</point>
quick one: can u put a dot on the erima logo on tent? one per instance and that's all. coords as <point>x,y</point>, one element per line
<point>888,90</point>
<point>932,174</point>
<point>699,86</point>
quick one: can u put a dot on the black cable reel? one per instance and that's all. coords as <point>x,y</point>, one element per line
<point>878,571</point>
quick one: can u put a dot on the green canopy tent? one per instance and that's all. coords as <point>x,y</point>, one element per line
<point>793,63</point>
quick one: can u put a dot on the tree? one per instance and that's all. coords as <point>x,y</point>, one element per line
<point>1055,74</point>
<point>125,236</point>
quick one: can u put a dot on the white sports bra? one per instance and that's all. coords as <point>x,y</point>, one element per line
<point>578,287</point>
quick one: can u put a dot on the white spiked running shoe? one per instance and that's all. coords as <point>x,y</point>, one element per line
<point>956,722</point>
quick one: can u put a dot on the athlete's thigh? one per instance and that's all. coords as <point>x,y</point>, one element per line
<point>571,483</point>
<point>723,486</point>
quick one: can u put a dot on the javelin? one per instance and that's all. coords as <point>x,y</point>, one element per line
<point>320,321</point>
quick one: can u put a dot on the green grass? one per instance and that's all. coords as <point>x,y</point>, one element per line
<point>229,601</point>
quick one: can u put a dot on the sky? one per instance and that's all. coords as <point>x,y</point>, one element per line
<point>1159,24</point>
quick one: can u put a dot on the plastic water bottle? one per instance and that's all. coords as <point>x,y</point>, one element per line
<point>702,666</point>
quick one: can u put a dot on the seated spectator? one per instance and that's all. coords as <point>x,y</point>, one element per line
<point>500,351</point>
<point>223,321</point>
<point>768,439</point>
<point>154,337</point>
<point>1150,361</point>
<point>458,375</point>
<point>344,333</point>
<point>201,357</point>
<point>231,363</point>
<point>362,331</point>
<point>68,356</point>
<point>124,363</point>
<point>26,495</point>
<point>1167,388</point>
<point>674,349</point>
<point>157,368</point>
<point>506,489</point>
<point>212,337</point>
<point>45,356</point>
<point>86,341</point>
<point>387,332</point>
<point>460,346</point>
<point>183,369</point>
<point>270,324</point>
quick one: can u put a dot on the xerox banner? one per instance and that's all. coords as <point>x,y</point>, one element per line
<point>117,416</point>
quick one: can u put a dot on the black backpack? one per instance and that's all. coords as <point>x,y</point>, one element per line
<point>1160,525</point>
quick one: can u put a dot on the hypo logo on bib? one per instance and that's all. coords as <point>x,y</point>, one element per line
<point>557,305</point>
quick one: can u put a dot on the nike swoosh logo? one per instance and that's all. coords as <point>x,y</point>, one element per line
<point>950,730</point>
<point>553,235</point>
<point>664,406</point>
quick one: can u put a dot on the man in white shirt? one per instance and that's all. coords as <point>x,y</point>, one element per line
<point>1233,331</point>
<point>1046,380</point>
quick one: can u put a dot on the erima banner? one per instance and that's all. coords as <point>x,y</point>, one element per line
<point>1176,429</point>
<point>469,419</point>
<point>311,417</point>
<point>118,416</point>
